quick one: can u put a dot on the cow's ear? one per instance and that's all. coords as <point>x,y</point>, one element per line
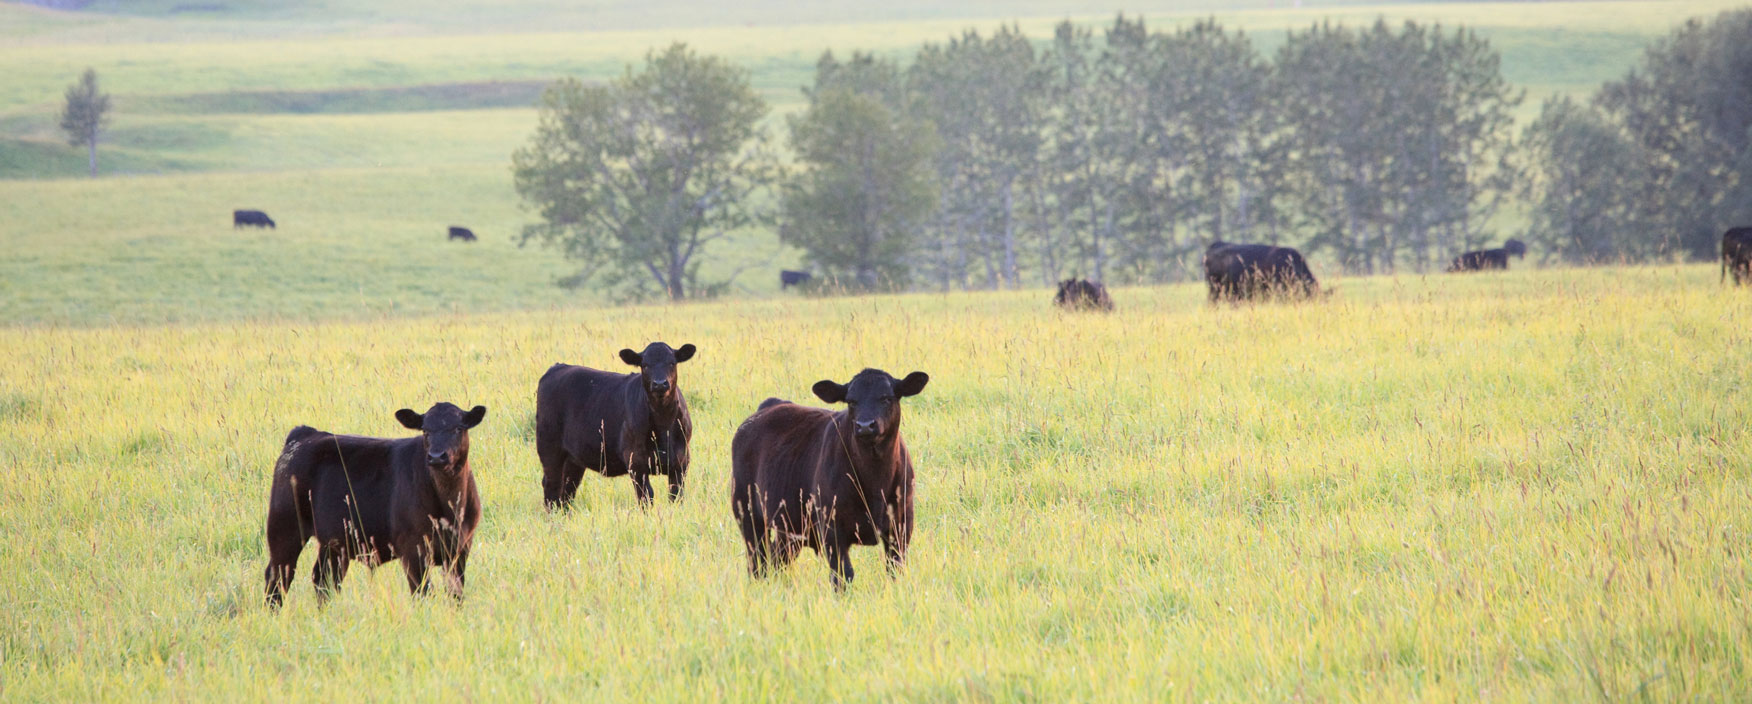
<point>686,352</point>
<point>474,416</point>
<point>409,419</point>
<point>912,384</point>
<point>633,358</point>
<point>829,391</point>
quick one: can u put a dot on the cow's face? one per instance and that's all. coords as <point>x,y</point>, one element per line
<point>657,369</point>
<point>872,401</point>
<point>444,432</point>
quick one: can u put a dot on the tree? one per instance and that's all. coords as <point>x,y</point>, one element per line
<point>1398,140</point>
<point>1688,106</point>
<point>643,173</point>
<point>86,115</point>
<point>1584,185</point>
<point>986,97</point>
<point>864,190</point>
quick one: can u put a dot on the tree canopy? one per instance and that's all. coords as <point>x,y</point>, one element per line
<point>635,178</point>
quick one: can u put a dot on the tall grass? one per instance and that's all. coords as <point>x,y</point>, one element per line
<point>1525,485</point>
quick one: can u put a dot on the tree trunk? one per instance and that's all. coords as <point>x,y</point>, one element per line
<point>1011,278</point>
<point>91,154</point>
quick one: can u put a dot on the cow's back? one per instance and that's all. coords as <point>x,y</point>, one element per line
<point>778,451</point>
<point>579,411</point>
<point>350,481</point>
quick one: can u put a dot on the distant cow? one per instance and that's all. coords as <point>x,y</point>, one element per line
<point>1737,254</point>
<point>1489,258</point>
<point>1242,271</point>
<point>376,500</point>
<point>809,476</point>
<point>788,278</point>
<point>1079,294</point>
<point>461,233</point>
<point>614,424</point>
<point>254,218</point>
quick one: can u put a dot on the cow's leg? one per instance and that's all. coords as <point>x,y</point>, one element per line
<point>677,481</point>
<point>837,545</point>
<point>642,486</point>
<point>559,478</point>
<point>458,568</point>
<point>755,539</point>
<point>286,538</point>
<point>331,567</point>
<point>893,543</point>
<point>415,561</point>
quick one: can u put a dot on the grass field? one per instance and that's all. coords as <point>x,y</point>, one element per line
<point>1532,485</point>
<point>1515,486</point>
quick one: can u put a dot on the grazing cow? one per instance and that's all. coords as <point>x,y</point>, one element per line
<point>254,218</point>
<point>1079,294</point>
<point>1737,254</point>
<point>810,476</point>
<point>1243,271</point>
<point>788,278</point>
<point>1489,258</point>
<point>462,233</point>
<point>376,500</point>
<point>614,424</point>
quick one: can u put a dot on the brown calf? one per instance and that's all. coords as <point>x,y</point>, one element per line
<point>376,500</point>
<point>614,424</point>
<point>809,476</point>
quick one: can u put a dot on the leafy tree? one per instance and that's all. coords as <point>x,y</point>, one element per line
<point>986,97</point>
<point>866,185</point>
<point>641,174</point>
<point>86,115</point>
<point>1585,184</point>
<point>1688,105</point>
<point>1398,139</point>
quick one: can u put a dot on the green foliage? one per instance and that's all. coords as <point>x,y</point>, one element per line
<point>86,115</point>
<point>1398,140</point>
<point>1505,487</point>
<point>640,175</point>
<point>1688,105</point>
<point>1587,187</point>
<point>863,185</point>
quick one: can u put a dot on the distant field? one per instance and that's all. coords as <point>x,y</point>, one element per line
<point>368,127</point>
<point>1531,486</point>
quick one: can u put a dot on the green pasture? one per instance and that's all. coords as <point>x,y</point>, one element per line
<point>1517,486</point>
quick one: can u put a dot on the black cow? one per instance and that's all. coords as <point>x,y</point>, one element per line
<point>810,476</point>
<point>1243,271</point>
<point>254,218</point>
<point>1737,254</point>
<point>1489,258</point>
<point>788,278</point>
<point>1080,294</point>
<point>614,424</point>
<point>376,500</point>
<point>461,233</point>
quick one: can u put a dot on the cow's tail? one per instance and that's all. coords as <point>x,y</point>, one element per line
<point>770,402</point>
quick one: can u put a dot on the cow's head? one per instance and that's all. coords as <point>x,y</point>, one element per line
<point>872,401</point>
<point>657,369</point>
<point>1516,247</point>
<point>444,432</point>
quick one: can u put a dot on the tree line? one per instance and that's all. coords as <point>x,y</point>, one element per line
<point>1119,153</point>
